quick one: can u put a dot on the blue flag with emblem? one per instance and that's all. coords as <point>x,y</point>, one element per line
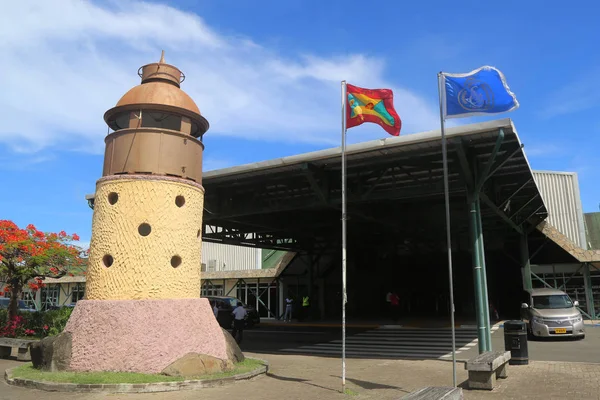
<point>480,92</point>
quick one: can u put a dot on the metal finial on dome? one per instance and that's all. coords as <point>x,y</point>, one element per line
<point>161,71</point>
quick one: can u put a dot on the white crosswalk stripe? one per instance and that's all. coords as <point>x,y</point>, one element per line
<point>396,342</point>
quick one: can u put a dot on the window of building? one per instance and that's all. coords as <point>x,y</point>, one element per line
<point>29,299</point>
<point>50,295</point>
<point>78,293</point>
<point>212,290</point>
<point>157,119</point>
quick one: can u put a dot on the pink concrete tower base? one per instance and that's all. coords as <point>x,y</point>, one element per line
<point>142,335</point>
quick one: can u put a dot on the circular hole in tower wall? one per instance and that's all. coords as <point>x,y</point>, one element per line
<point>144,229</point>
<point>180,201</point>
<point>113,197</point>
<point>175,261</point>
<point>107,260</point>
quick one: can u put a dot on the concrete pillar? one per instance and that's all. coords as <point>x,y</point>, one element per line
<point>477,275</point>
<point>486,301</point>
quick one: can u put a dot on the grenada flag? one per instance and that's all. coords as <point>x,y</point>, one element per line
<point>372,105</point>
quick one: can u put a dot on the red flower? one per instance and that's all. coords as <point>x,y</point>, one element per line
<point>45,327</point>
<point>75,237</point>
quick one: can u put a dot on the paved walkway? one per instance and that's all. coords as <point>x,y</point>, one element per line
<point>305,377</point>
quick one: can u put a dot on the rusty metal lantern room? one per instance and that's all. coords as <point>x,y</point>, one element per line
<point>158,128</point>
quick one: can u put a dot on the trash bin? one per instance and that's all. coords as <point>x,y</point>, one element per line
<point>515,341</point>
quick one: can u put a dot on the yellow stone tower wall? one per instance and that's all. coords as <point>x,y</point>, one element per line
<point>165,264</point>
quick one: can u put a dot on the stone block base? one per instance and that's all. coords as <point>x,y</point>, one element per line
<point>5,351</point>
<point>485,380</point>
<point>142,335</point>
<point>502,372</point>
<point>23,354</point>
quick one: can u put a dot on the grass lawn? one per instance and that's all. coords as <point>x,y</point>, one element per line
<point>96,378</point>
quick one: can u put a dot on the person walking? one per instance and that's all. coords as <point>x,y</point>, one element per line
<point>216,310</point>
<point>239,322</point>
<point>287,317</point>
<point>395,303</point>
<point>305,308</point>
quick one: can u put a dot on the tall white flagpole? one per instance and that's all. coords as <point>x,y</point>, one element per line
<point>441,83</point>
<point>344,299</point>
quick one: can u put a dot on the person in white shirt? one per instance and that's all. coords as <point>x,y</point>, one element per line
<point>239,321</point>
<point>216,310</point>
<point>287,317</point>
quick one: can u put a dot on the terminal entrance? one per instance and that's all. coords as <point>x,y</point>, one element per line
<point>396,224</point>
<point>418,275</point>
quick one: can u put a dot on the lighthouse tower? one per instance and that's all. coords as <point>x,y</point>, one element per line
<point>142,310</point>
<point>146,232</point>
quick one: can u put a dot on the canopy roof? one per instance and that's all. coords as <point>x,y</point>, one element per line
<point>395,186</point>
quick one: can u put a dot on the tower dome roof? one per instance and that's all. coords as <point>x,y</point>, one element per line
<point>159,93</point>
<point>159,90</point>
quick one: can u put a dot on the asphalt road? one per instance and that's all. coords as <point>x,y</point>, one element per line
<point>561,349</point>
<point>267,339</point>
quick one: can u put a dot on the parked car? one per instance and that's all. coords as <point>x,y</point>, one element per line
<point>4,301</point>
<point>551,313</point>
<point>226,306</point>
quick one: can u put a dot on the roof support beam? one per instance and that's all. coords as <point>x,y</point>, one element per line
<point>374,184</point>
<point>499,212</point>
<point>464,165</point>
<point>506,159</point>
<point>310,171</point>
<point>488,166</point>
<point>533,213</point>
<point>505,202</point>
<point>524,205</point>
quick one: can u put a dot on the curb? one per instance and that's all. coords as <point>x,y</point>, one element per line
<point>134,387</point>
<point>332,325</point>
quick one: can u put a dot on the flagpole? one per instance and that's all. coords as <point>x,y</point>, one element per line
<point>448,235</point>
<point>343,236</point>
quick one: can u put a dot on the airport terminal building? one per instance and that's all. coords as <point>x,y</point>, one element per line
<point>272,229</point>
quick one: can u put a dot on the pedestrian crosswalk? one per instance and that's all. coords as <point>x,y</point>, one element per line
<point>396,342</point>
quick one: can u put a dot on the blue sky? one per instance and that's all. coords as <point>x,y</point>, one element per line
<point>266,75</point>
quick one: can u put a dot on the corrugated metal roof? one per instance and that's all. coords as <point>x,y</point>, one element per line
<point>224,257</point>
<point>592,222</point>
<point>250,202</point>
<point>390,145</point>
<point>560,191</point>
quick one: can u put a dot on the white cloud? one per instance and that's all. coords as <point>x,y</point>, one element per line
<point>67,61</point>
<point>581,94</point>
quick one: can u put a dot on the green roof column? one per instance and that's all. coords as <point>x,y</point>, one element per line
<point>525,262</point>
<point>486,305</point>
<point>589,296</point>
<point>474,216</point>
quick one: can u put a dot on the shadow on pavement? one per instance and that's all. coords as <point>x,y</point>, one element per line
<point>299,380</point>
<point>371,385</point>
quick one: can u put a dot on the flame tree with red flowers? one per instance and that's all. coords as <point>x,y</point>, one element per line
<point>29,256</point>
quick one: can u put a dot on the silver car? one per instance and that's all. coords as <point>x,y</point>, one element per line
<point>551,313</point>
